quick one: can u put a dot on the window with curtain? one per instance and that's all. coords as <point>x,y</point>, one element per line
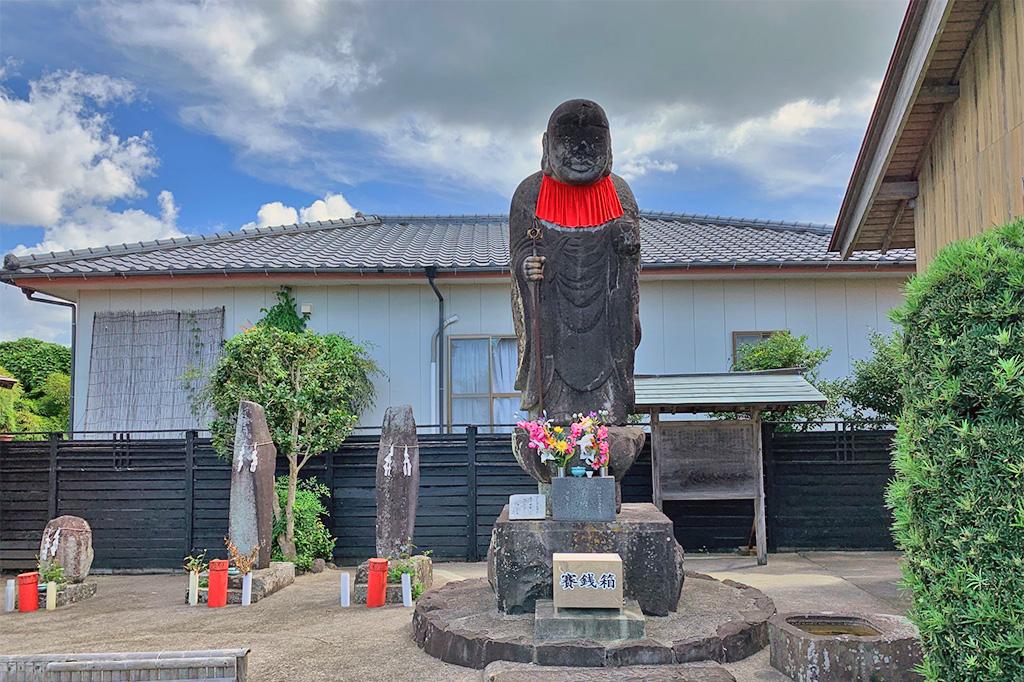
<point>481,374</point>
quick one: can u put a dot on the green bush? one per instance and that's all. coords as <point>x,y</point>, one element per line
<point>312,539</point>
<point>31,361</point>
<point>783,350</point>
<point>875,384</point>
<point>8,399</point>
<point>958,495</point>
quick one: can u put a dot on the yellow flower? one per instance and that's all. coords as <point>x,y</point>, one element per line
<point>558,429</point>
<point>561,446</point>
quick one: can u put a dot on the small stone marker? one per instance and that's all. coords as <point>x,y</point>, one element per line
<point>68,541</point>
<point>522,507</point>
<point>583,499</point>
<point>398,481</point>
<point>591,580</point>
<point>251,510</point>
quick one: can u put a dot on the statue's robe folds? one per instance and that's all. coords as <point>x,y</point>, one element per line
<point>588,309</point>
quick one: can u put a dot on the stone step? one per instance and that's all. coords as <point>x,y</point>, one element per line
<point>602,625</point>
<point>503,671</point>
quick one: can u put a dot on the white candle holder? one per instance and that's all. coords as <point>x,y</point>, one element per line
<point>9,596</point>
<point>346,589</point>
<point>193,588</point>
<point>51,596</point>
<point>406,590</point>
<point>247,589</point>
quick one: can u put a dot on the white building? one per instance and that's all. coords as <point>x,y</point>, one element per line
<point>708,284</point>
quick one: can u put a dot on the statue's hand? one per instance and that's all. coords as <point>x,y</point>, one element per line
<point>533,267</point>
<point>626,239</point>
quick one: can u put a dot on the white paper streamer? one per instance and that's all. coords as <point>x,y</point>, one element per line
<point>407,466</point>
<point>389,460</point>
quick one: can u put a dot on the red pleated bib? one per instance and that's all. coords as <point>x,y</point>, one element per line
<point>578,205</point>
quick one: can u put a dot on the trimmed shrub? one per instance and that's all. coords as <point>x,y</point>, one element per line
<point>875,384</point>
<point>312,539</point>
<point>958,495</point>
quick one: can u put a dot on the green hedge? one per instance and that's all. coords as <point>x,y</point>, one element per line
<point>958,496</point>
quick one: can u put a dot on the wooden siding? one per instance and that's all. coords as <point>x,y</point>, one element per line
<point>972,173</point>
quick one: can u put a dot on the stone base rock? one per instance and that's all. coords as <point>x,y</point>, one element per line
<point>603,625</point>
<point>69,594</point>
<point>888,656</point>
<point>519,557</point>
<point>265,582</point>
<point>393,595</point>
<point>502,671</point>
<point>422,564</point>
<point>714,621</point>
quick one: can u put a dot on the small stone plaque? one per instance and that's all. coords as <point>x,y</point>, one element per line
<point>526,507</point>
<point>583,499</point>
<point>587,581</point>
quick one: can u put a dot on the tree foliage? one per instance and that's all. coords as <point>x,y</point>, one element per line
<point>31,361</point>
<point>282,314</point>
<point>8,399</point>
<point>958,495</point>
<point>312,387</point>
<point>783,350</point>
<point>875,384</point>
<point>312,539</point>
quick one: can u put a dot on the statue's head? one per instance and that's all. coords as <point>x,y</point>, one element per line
<point>577,144</point>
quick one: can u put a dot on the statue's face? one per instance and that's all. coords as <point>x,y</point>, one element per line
<point>577,154</point>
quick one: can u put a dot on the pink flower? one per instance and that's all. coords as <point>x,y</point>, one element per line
<point>602,432</point>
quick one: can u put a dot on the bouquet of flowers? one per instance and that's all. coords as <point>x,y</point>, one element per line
<point>552,443</point>
<point>591,434</point>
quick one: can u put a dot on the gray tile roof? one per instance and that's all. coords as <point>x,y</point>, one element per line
<point>451,243</point>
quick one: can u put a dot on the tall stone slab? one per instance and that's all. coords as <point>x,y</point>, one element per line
<point>251,511</point>
<point>398,481</point>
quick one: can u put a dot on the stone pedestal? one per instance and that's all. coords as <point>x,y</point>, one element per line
<point>519,560</point>
<point>265,582</point>
<point>601,625</point>
<point>583,499</point>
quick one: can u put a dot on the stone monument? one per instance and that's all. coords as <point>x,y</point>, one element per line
<point>574,240</point>
<point>251,510</point>
<point>67,541</point>
<point>398,482</point>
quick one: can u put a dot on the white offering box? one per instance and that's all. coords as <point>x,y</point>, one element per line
<point>521,507</point>
<point>587,581</point>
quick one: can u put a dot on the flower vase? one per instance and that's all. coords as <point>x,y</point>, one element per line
<point>193,588</point>
<point>604,471</point>
<point>561,472</point>
<point>246,589</point>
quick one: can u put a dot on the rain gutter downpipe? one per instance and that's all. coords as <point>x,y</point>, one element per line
<point>30,295</point>
<point>431,272</point>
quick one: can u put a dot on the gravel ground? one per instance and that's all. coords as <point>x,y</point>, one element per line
<point>301,633</point>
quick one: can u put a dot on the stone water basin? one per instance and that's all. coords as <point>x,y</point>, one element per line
<point>844,647</point>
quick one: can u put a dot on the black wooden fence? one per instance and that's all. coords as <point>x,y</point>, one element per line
<point>151,501</point>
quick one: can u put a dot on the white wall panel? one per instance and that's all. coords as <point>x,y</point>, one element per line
<point>687,324</point>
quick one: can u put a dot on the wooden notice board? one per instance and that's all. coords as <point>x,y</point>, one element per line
<point>710,460</point>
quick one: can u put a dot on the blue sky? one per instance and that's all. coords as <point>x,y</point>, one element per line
<point>133,121</point>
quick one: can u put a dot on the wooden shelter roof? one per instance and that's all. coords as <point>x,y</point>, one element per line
<point>725,391</point>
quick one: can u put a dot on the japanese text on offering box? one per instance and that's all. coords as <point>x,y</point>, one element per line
<point>591,581</point>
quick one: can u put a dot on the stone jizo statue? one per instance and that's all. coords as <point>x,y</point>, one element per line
<point>575,247</point>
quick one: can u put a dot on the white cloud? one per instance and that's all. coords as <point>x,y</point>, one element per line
<point>331,207</point>
<point>62,167</point>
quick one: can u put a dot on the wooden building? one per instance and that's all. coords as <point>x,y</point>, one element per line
<point>943,156</point>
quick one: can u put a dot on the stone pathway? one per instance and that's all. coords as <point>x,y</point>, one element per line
<point>301,633</point>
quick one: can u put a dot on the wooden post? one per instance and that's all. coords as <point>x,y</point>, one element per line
<point>759,514</point>
<point>768,454</point>
<point>51,506</point>
<point>472,553</point>
<point>655,473</point>
<point>190,474</point>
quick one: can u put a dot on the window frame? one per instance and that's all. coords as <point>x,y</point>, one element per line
<point>763,333</point>
<point>491,395</point>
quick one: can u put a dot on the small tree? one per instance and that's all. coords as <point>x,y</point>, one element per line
<point>313,388</point>
<point>875,384</point>
<point>31,361</point>
<point>782,350</point>
<point>958,495</point>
